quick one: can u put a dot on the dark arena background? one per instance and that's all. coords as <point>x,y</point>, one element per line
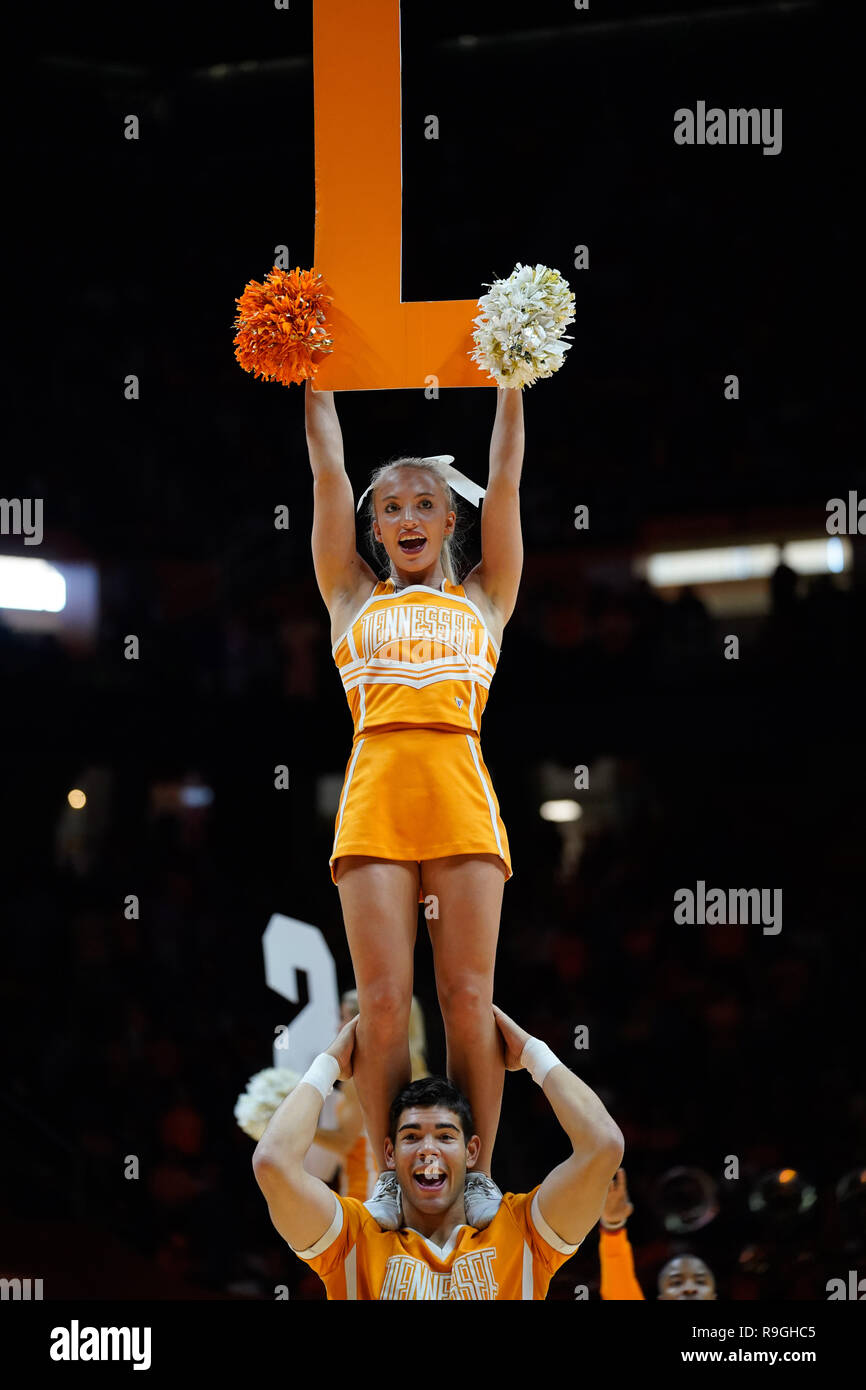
<point>731,1051</point>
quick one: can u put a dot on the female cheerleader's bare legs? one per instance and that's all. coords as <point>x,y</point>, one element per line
<point>469,892</point>
<point>379,898</point>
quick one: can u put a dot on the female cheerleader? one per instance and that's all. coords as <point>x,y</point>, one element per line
<point>418,818</point>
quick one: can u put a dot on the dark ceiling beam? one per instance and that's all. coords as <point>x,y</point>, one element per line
<point>580,31</point>
<point>583,29</point>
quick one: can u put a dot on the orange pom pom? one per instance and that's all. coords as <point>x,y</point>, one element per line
<point>282,323</point>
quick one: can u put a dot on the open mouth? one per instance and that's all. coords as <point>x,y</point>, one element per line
<point>412,545</point>
<point>430,1180</point>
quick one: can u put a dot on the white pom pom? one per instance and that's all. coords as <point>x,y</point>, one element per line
<point>521,336</point>
<point>264,1093</point>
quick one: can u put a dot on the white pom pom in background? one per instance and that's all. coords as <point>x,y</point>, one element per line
<point>521,336</point>
<point>265,1091</point>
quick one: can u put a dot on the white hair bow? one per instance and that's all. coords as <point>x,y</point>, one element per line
<point>459,481</point>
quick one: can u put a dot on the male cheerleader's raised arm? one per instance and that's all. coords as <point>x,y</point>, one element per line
<point>301,1206</point>
<point>501,564</point>
<point>572,1195</point>
<point>340,570</point>
<point>350,1123</point>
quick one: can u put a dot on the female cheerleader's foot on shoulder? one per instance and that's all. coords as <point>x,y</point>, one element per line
<point>481,1200</point>
<point>385,1205</point>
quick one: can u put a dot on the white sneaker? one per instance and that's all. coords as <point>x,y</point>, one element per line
<point>481,1200</point>
<point>385,1205</point>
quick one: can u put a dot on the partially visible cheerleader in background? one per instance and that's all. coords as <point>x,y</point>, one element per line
<point>358,1168</point>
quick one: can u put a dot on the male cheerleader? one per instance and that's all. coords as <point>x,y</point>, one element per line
<point>430,1146</point>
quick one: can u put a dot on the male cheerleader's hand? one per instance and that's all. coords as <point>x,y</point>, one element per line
<point>617,1207</point>
<point>343,1047</point>
<point>515,1039</point>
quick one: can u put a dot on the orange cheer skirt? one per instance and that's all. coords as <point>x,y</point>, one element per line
<point>418,793</point>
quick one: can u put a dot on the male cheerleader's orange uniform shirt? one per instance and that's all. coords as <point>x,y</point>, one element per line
<point>416,666</point>
<point>513,1258</point>
<point>618,1279</point>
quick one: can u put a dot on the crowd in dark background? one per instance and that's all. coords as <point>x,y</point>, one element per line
<point>134,1037</point>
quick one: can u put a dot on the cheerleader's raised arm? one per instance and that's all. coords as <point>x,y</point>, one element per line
<point>498,572</point>
<point>340,570</point>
